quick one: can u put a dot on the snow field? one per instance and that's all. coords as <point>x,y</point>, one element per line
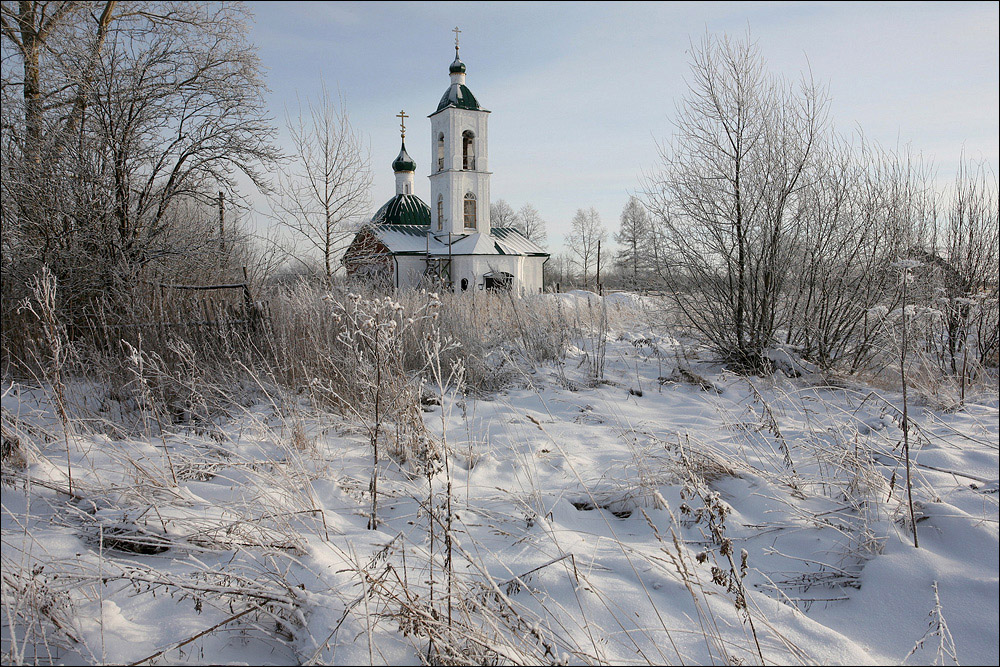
<point>593,520</point>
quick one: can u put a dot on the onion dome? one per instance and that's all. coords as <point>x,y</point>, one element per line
<point>403,210</point>
<point>459,96</point>
<point>403,161</point>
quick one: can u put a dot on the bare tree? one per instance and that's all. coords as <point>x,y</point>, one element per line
<point>43,41</point>
<point>531,224</point>
<point>586,232</point>
<point>853,222</point>
<point>143,106</point>
<point>557,271</point>
<point>328,189</point>
<point>525,220</point>
<point>725,195</point>
<point>502,214</point>
<point>972,253</point>
<point>34,29</point>
<point>179,109</point>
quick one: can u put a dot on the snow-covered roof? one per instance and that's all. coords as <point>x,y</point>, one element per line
<point>472,244</point>
<point>513,242</point>
<point>415,240</point>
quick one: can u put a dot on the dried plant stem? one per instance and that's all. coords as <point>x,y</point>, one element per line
<point>196,636</point>
<point>373,487</point>
<point>43,289</point>
<point>906,420</point>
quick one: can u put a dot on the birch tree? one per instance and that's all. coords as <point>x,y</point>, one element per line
<point>327,190</point>
<point>585,234</point>
<point>725,192</point>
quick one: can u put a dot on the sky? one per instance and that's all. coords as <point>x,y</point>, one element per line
<point>581,93</point>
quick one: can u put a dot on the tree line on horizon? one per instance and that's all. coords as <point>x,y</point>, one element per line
<point>126,124</point>
<point>763,225</point>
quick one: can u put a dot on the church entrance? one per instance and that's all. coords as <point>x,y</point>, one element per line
<point>498,281</point>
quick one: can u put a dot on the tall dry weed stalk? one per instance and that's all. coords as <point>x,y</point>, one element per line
<point>906,267</point>
<point>43,306</point>
<point>372,380</point>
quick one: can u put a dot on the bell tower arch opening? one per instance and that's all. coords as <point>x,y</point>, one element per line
<point>468,151</point>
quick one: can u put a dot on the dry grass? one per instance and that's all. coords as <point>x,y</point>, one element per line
<point>318,356</point>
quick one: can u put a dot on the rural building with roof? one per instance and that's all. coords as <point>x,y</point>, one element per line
<point>450,245</point>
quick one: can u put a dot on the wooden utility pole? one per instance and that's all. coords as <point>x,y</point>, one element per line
<point>598,266</point>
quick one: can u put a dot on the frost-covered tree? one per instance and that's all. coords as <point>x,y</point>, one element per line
<point>531,224</point>
<point>586,233</point>
<point>635,238</point>
<point>969,292</point>
<point>327,189</point>
<point>725,193</point>
<point>117,116</point>
<point>852,221</point>
<point>502,214</point>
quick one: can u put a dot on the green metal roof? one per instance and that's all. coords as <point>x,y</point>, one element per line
<point>457,66</point>
<point>403,210</point>
<point>403,161</point>
<point>459,96</point>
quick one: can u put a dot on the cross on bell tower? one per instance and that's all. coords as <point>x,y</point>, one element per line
<point>456,31</point>
<point>402,124</point>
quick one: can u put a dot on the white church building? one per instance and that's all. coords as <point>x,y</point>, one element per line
<point>451,244</point>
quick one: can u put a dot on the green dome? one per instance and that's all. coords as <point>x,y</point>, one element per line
<point>403,161</point>
<point>460,97</point>
<point>457,66</point>
<point>403,210</point>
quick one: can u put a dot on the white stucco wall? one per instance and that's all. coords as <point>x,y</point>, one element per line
<point>532,276</point>
<point>453,182</point>
<point>527,271</point>
<point>404,182</point>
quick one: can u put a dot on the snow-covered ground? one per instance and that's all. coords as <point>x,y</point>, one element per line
<point>669,512</point>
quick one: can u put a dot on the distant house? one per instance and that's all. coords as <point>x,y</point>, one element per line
<point>452,246</point>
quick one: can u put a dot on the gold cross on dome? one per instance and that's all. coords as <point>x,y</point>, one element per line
<point>402,123</point>
<point>456,31</point>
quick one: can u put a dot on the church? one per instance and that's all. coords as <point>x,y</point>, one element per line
<point>451,246</point>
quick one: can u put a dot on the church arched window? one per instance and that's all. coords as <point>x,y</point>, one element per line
<point>441,151</point>
<point>470,211</point>
<point>468,150</point>
<point>440,212</point>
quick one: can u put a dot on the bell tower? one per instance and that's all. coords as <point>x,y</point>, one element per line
<point>460,179</point>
